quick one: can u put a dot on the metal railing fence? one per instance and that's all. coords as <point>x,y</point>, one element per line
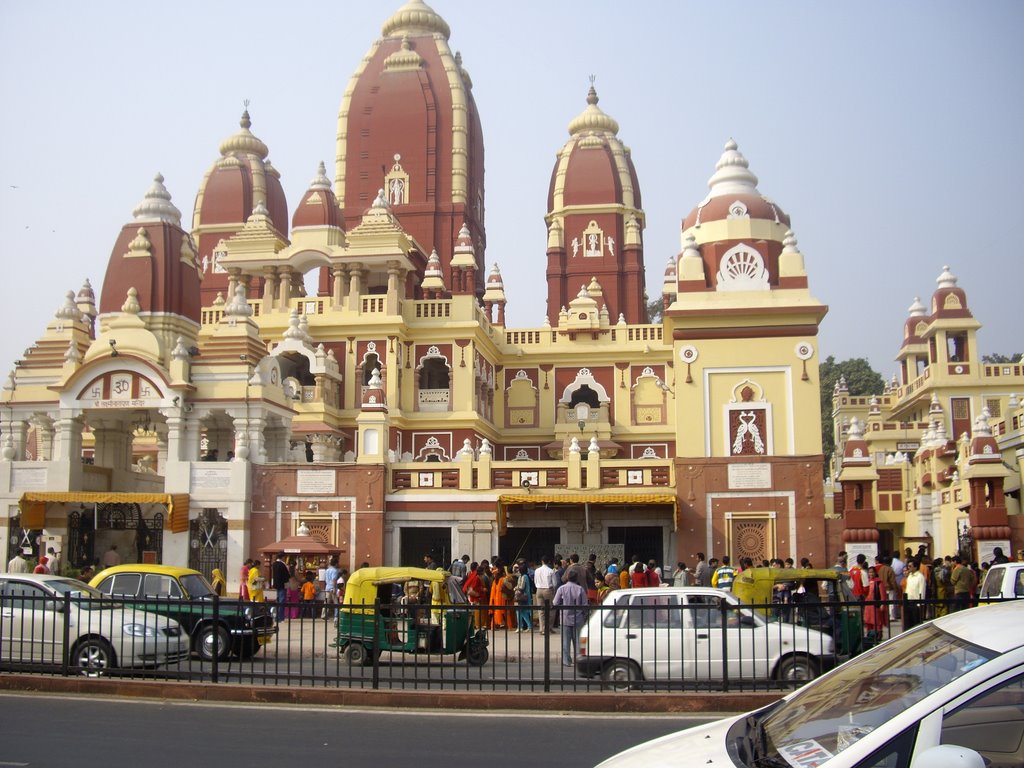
<point>650,646</point>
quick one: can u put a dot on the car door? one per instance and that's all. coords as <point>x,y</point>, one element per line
<point>31,627</point>
<point>653,636</point>
<point>738,650</point>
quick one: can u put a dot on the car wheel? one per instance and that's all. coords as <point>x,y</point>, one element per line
<point>248,648</point>
<point>205,638</point>
<point>477,654</point>
<point>355,653</point>
<point>619,675</point>
<point>797,669</point>
<point>93,657</point>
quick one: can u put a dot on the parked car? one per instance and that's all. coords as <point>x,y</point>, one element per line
<point>1002,581</point>
<point>36,609</point>
<point>241,628</point>
<point>673,634</point>
<point>946,693</point>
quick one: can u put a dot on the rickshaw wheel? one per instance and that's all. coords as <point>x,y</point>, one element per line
<point>356,653</point>
<point>477,655</point>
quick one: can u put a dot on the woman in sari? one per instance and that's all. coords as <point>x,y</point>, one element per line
<point>255,583</point>
<point>498,602</point>
<point>875,616</point>
<point>475,591</point>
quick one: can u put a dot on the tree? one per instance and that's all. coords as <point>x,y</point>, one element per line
<point>655,310</point>
<point>861,380</point>
<point>997,359</point>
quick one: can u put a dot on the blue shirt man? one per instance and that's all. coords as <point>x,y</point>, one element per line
<point>574,597</point>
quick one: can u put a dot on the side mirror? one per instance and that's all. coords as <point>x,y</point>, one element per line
<point>948,756</point>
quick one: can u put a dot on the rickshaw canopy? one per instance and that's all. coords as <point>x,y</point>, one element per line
<point>363,586</point>
<point>754,586</point>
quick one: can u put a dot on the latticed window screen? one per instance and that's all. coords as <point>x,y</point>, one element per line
<point>750,539</point>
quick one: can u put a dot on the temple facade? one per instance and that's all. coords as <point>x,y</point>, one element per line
<point>937,458</point>
<point>207,405</point>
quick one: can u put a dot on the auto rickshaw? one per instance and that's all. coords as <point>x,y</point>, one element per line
<point>407,610</point>
<point>823,604</point>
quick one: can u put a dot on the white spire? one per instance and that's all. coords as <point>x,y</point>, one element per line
<point>947,279</point>
<point>157,205</point>
<point>732,174</point>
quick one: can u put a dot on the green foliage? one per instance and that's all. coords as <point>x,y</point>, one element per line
<point>997,359</point>
<point>861,380</point>
<point>655,310</point>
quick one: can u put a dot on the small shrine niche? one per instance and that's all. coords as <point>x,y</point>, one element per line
<point>748,422</point>
<point>396,183</point>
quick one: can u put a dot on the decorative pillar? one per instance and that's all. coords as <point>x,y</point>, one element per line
<point>355,288</point>
<point>269,287</point>
<point>285,289</point>
<point>338,287</point>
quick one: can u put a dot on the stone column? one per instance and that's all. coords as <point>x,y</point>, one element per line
<point>269,287</point>
<point>338,286</point>
<point>394,284</point>
<point>355,287</point>
<point>67,438</point>
<point>285,289</point>
<point>232,284</point>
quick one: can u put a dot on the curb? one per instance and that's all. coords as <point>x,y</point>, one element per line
<point>628,703</point>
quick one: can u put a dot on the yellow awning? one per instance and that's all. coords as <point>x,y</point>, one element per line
<point>518,499</point>
<point>33,505</point>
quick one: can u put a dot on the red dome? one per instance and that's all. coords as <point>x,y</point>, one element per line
<point>318,207</point>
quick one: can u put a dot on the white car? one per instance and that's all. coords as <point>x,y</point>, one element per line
<point>662,636</point>
<point>945,694</point>
<point>38,611</point>
<point>1003,580</point>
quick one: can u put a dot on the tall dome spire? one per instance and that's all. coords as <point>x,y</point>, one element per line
<point>408,123</point>
<point>238,181</point>
<point>594,218</point>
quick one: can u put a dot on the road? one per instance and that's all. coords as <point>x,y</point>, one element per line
<point>43,731</point>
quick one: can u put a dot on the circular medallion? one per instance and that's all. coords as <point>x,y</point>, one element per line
<point>804,350</point>
<point>688,353</point>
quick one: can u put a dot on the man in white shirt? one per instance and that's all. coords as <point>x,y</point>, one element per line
<point>544,579</point>
<point>917,590</point>
<point>18,564</point>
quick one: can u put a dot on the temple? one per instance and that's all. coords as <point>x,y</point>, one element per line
<point>207,405</point>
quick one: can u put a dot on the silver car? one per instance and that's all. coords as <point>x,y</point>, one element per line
<point>37,613</point>
<point>663,636</point>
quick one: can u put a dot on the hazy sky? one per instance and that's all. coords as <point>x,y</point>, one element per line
<point>890,132</point>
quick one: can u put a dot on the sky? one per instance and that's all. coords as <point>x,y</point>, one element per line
<point>889,132</point>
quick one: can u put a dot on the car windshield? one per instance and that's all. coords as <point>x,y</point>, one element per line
<point>196,585</point>
<point>74,588</point>
<point>831,714</point>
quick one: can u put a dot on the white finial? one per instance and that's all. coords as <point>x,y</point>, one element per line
<point>294,331</point>
<point>593,447</point>
<point>72,355</point>
<point>68,310</point>
<point>947,279</point>
<point>180,351</point>
<point>157,205</point>
<point>917,309</point>
<point>485,447</point>
<point>238,306</point>
<point>320,181</point>
<point>574,445</point>
<point>789,242</point>
<point>732,174</point>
